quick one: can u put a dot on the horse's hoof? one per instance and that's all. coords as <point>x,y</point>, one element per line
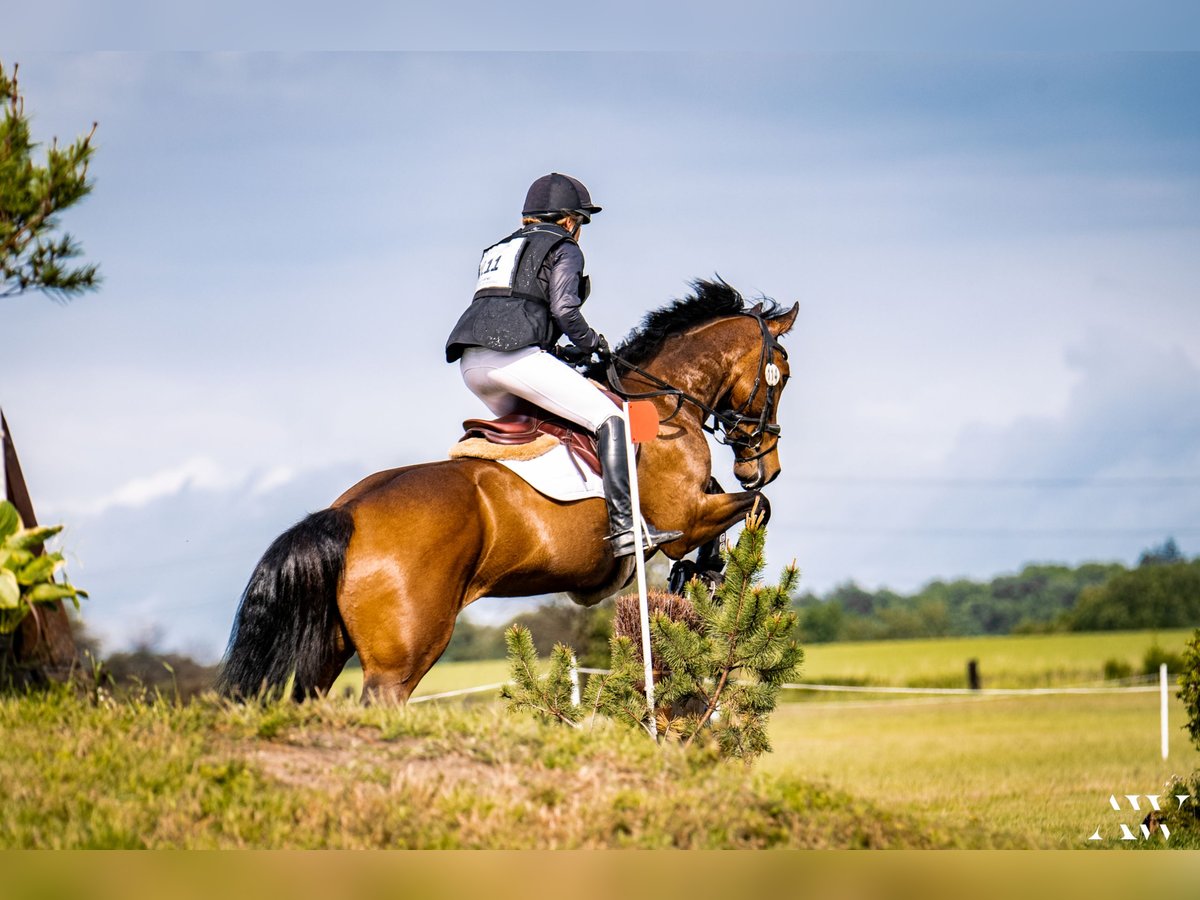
<point>681,573</point>
<point>714,578</point>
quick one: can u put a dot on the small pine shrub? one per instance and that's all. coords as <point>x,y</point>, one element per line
<point>549,697</point>
<point>720,661</point>
<point>1183,819</point>
<point>1189,686</point>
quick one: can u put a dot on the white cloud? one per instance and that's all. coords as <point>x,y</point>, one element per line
<point>199,473</point>
<point>176,560</point>
<point>273,478</point>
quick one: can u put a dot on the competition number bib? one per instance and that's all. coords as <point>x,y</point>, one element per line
<point>499,264</point>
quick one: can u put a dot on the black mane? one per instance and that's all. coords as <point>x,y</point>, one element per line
<point>709,300</point>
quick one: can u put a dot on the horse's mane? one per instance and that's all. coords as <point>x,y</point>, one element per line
<point>709,300</point>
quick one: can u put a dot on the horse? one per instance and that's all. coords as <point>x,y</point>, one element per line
<point>385,570</point>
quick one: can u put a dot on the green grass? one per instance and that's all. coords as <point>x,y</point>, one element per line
<point>852,770</point>
<point>1027,771</point>
<point>81,774</point>
<point>1032,771</point>
<point>1004,661</point>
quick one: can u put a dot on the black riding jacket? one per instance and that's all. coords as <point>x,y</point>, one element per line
<point>549,307</point>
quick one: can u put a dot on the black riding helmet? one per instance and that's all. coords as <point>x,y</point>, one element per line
<point>554,196</point>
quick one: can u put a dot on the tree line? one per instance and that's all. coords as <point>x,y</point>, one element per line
<point>1161,591</point>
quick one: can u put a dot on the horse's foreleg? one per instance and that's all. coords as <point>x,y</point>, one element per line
<point>713,515</point>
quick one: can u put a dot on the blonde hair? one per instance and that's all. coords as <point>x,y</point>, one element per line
<point>532,220</point>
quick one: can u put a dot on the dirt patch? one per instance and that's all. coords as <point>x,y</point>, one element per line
<point>330,768</point>
<point>333,762</point>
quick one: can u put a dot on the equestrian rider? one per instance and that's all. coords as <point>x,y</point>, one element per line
<point>529,293</point>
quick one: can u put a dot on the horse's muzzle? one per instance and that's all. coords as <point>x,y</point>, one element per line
<point>760,479</point>
<point>752,484</point>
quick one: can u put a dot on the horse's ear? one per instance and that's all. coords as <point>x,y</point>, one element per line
<point>783,324</point>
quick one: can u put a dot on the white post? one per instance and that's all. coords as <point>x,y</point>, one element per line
<point>1162,680</point>
<point>640,562</point>
<point>574,681</point>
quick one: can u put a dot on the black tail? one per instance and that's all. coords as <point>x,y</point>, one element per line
<point>288,619</point>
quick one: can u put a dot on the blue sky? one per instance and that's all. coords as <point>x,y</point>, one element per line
<point>478,25</point>
<point>997,357</point>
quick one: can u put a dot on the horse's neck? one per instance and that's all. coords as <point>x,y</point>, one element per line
<point>704,371</point>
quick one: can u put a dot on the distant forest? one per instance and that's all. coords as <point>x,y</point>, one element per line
<point>1162,591</point>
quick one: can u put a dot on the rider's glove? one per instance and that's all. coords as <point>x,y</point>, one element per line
<point>572,354</point>
<point>603,351</point>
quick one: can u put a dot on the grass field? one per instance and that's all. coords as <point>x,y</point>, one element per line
<point>442,677</point>
<point>1004,661</point>
<point>1027,771</point>
<point>85,771</point>
<point>853,770</point>
<point>1009,661</point>
<point>1034,771</point>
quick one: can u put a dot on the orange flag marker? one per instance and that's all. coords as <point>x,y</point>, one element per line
<point>643,421</point>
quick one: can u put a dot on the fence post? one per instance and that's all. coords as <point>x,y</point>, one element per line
<point>640,563</point>
<point>1162,680</point>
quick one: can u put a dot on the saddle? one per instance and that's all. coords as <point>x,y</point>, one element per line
<point>533,430</point>
<point>539,430</point>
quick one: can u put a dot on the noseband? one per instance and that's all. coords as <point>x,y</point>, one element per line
<point>725,423</point>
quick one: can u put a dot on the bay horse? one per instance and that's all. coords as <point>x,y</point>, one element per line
<point>386,569</point>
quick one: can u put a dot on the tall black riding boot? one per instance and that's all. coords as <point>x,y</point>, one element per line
<point>614,469</point>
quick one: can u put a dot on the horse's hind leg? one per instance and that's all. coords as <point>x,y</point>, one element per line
<point>417,545</point>
<point>400,623</point>
<point>392,679</point>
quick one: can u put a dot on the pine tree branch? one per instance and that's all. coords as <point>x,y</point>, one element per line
<point>600,687</point>
<point>31,196</point>
<point>729,660</point>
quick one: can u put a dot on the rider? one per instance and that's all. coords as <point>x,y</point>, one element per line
<point>530,290</point>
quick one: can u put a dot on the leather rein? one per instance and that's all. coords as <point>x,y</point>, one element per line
<point>724,423</point>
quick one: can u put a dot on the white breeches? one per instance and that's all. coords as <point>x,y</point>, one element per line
<point>498,378</point>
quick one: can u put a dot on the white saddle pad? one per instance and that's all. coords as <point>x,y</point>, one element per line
<point>556,475</point>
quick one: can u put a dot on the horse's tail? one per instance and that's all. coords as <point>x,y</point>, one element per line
<point>288,620</point>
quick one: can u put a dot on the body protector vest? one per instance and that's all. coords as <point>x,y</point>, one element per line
<point>510,268</point>
<point>510,309</point>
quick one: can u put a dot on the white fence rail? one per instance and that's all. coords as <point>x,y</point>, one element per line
<point>1122,687</point>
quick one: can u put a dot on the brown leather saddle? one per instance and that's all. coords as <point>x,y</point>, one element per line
<point>530,422</point>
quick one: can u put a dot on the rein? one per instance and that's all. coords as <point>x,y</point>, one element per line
<point>724,424</point>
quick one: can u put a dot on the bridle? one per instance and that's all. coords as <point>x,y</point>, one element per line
<point>725,423</point>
